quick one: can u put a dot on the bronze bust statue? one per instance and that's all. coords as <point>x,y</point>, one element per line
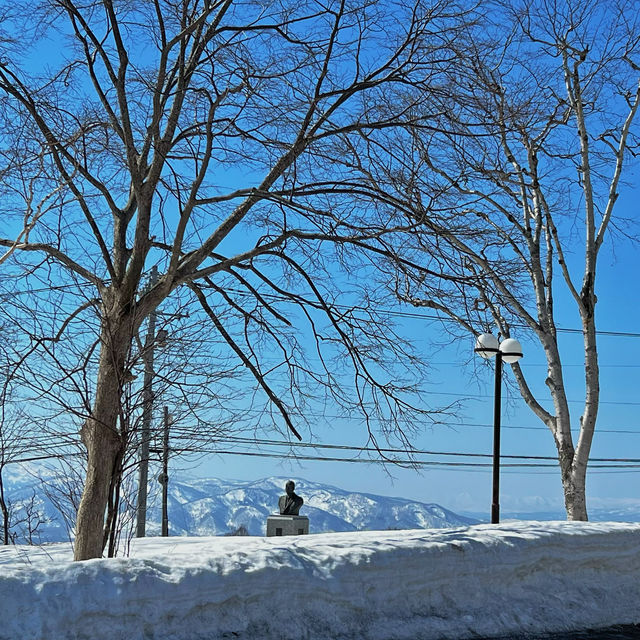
<point>290,504</point>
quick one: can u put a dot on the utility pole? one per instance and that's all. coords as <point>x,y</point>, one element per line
<point>164,477</point>
<point>147,413</point>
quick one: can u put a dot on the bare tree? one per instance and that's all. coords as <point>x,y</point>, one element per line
<point>188,372</point>
<point>212,138</point>
<point>16,431</point>
<point>515,193</point>
<point>27,519</point>
<point>62,486</point>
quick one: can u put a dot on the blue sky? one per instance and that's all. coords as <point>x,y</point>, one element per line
<point>457,375</point>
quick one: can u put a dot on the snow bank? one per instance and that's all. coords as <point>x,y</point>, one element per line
<point>458,583</point>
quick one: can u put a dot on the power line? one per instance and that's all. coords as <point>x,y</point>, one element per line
<point>530,428</point>
<point>390,312</point>
<point>267,442</point>
<point>435,424</point>
<point>428,316</point>
<point>405,462</point>
<point>444,466</point>
<point>49,442</point>
<point>539,462</point>
<point>287,443</point>
<point>474,396</point>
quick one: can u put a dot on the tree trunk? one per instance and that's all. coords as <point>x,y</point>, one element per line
<point>103,442</point>
<point>574,497</point>
<point>573,482</point>
<point>572,467</point>
<point>5,512</point>
<point>102,448</point>
<point>573,462</point>
<point>111,527</point>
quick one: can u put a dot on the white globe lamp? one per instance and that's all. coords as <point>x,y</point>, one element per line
<point>511,350</point>
<point>486,345</point>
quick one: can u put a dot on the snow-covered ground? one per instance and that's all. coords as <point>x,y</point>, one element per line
<point>457,583</point>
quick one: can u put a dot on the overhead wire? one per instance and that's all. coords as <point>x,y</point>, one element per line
<point>541,428</point>
<point>268,442</point>
<point>626,463</point>
<point>532,462</point>
<point>391,312</point>
<point>384,450</point>
<point>400,462</point>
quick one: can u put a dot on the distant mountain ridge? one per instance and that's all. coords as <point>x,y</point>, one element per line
<point>214,507</point>
<point>211,506</point>
<point>630,513</point>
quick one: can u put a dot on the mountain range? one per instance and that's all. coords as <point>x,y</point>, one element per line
<point>211,506</point>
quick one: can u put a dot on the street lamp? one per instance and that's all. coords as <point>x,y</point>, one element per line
<point>509,350</point>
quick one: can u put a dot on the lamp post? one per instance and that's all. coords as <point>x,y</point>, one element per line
<point>509,350</point>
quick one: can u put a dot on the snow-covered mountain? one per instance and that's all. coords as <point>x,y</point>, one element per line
<point>211,506</point>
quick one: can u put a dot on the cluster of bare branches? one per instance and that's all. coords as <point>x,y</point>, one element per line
<point>270,160</point>
<point>513,192</point>
<point>218,141</point>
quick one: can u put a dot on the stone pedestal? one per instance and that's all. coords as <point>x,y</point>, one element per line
<point>287,525</point>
